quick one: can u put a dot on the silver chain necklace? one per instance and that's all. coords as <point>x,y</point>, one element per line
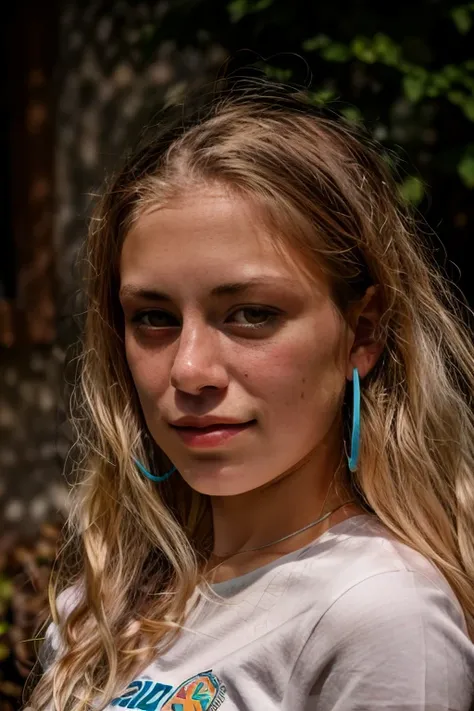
<point>289,535</point>
<point>301,530</point>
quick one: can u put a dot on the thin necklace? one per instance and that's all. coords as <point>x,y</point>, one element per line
<point>301,530</point>
<point>289,535</point>
<point>284,538</point>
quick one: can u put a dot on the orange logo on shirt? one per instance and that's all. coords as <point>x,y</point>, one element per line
<point>203,692</point>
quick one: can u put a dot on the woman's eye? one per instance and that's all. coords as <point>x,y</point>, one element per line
<point>155,319</point>
<point>254,317</point>
<point>251,317</point>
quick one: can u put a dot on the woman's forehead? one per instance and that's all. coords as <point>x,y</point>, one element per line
<point>214,232</point>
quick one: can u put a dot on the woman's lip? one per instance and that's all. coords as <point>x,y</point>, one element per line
<point>210,436</point>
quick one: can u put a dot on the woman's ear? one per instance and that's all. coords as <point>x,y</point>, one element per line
<point>367,345</point>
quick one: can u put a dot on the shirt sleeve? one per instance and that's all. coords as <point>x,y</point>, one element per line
<point>395,641</point>
<point>49,647</point>
<point>52,646</point>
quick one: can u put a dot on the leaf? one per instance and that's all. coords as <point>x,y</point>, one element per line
<point>440,82</point>
<point>464,101</point>
<point>238,9</point>
<point>412,189</point>
<point>277,73</point>
<point>468,82</point>
<point>462,18</point>
<point>321,97</point>
<point>3,627</point>
<point>468,107</point>
<point>413,86</point>
<point>456,97</point>
<point>313,44</point>
<point>386,49</point>
<point>336,52</point>
<point>6,588</point>
<point>452,72</point>
<point>466,167</point>
<point>363,50</point>
<point>352,113</point>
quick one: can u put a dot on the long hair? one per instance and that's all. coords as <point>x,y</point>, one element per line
<point>135,549</point>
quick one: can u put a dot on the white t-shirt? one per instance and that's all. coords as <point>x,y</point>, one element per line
<point>353,621</point>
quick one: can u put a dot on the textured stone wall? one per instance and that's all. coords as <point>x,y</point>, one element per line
<point>33,438</point>
<point>108,87</point>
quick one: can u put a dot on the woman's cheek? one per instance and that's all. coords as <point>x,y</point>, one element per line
<point>303,384</point>
<point>148,375</point>
<point>290,364</point>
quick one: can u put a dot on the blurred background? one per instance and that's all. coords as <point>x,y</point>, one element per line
<point>82,78</point>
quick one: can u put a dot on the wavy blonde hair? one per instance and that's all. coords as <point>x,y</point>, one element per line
<point>135,550</point>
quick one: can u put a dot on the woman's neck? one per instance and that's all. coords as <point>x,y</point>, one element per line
<point>285,505</point>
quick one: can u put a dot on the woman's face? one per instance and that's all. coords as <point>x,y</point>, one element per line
<point>224,329</point>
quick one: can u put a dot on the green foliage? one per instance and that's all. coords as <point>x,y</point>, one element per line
<point>408,68</point>
<point>412,189</point>
<point>6,591</point>
<point>276,73</point>
<point>462,17</point>
<point>321,97</point>
<point>351,113</point>
<point>240,8</point>
<point>466,166</point>
<point>453,82</point>
<point>414,86</point>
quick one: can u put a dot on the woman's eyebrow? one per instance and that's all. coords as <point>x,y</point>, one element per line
<point>237,287</point>
<point>228,289</point>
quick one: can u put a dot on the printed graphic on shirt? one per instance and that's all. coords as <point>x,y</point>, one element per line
<point>202,692</point>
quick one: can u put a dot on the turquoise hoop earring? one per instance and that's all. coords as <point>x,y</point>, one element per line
<point>355,437</point>
<point>146,473</point>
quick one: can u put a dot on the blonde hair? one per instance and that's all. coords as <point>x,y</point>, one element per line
<point>135,549</point>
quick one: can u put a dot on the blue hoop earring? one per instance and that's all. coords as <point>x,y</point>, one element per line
<point>355,437</point>
<point>146,473</point>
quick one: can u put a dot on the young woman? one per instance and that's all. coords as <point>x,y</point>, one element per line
<point>276,502</point>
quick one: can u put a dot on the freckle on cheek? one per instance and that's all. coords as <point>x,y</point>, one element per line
<point>303,381</point>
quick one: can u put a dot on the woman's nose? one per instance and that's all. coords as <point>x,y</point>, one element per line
<point>198,363</point>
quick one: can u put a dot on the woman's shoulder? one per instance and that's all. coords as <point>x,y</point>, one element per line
<point>360,562</point>
<point>393,617</point>
<point>369,547</point>
<point>393,639</point>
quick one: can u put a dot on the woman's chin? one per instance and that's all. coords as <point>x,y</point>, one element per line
<point>221,482</point>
